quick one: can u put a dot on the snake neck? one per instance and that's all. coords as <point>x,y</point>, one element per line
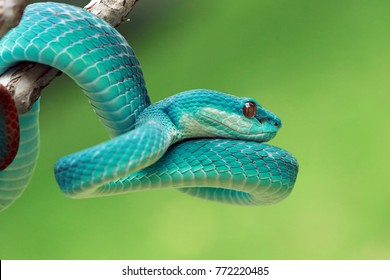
<point>156,116</point>
<point>178,125</point>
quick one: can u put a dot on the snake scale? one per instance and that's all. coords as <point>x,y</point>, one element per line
<point>202,142</point>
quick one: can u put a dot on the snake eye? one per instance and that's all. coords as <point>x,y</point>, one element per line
<point>250,109</point>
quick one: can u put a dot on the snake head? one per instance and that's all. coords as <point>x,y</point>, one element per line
<point>207,113</point>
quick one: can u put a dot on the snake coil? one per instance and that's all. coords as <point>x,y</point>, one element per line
<point>202,142</point>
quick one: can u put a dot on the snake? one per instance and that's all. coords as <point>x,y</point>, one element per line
<point>204,143</point>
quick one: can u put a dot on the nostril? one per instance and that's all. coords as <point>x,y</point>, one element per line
<point>277,123</point>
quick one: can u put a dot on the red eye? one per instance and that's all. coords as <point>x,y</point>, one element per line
<point>250,110</point>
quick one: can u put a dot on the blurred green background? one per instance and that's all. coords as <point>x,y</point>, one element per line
<point>321,66</point>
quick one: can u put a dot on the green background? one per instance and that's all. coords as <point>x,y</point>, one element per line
<point>321,66</point>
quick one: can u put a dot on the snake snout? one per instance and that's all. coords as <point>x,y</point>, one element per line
<point>268,120</point>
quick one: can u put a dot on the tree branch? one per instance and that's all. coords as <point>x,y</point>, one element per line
<point>10,14</point>
<point>26,80</point>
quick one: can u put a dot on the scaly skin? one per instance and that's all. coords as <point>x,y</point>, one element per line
<point>150,147</point>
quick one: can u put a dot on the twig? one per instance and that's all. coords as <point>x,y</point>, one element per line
<point>26,80</point>
<point>10,14</point>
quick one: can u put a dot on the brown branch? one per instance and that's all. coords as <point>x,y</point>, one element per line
<point>26,80</point>
<point>10,14</point>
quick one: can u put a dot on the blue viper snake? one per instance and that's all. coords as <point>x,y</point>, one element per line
<point>202,142</point>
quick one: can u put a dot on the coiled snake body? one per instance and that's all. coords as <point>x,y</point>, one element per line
<point>202,142</point>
